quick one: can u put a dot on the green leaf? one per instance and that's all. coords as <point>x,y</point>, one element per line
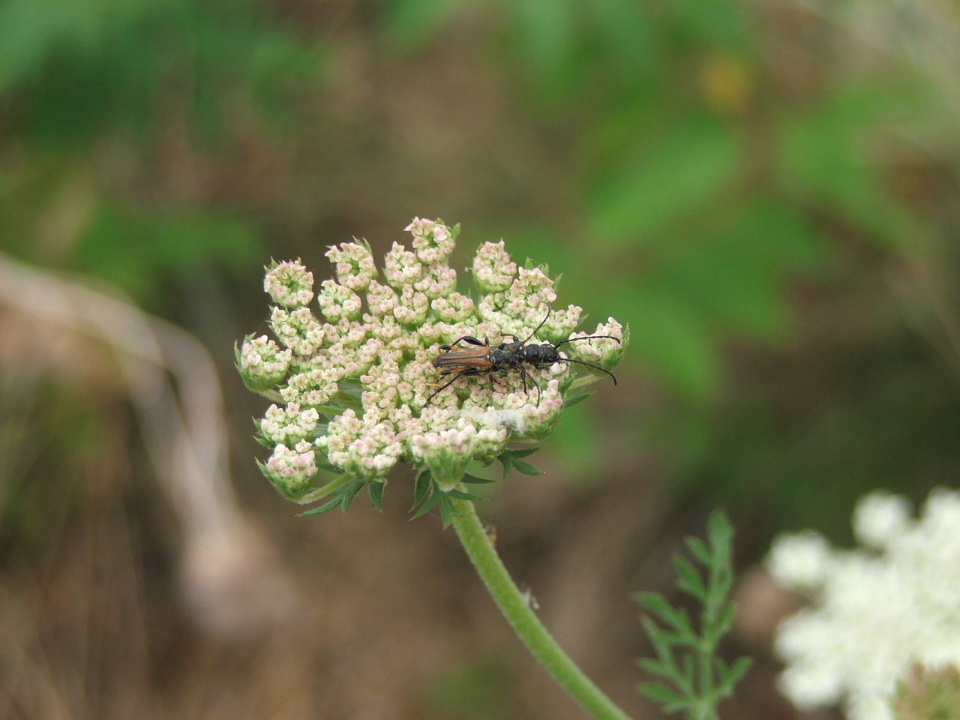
<point>700,550</point>
<point>329,467</point>
<point>575,397</point>
<point>689,579</point>
<point>724,619</point>
<point>376,493</point>
<point>461,495</point>
<point>663,695</point>
<point>322,509</point>
<point>720,531</point>
<point>422,487</point>
<point>342,498</point>
<point>675,618</point>
<point>510,458</point>
<point>657,667</point>
<point>448,510</point>
<point>526,468</point>
<point>687,658</point>
<point>735,672</point>
<point>661,640</point>
<point>429,504</point>
<point>348,494</point>
<point>655,602</point>
<point>474,480</point>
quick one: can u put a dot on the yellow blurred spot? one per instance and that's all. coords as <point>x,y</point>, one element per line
<point>727,83</point>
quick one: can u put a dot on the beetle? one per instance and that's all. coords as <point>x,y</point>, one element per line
<point>487,359</point>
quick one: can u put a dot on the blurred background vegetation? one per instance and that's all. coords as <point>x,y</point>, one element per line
<point>766,191</point>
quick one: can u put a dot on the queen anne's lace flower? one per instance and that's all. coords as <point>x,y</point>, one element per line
<point>262,363</point>
<point>298,329</point>
<point>492,269</point>
<point>354,264</point>
<point>881,518</point>
<point>338,302</point>
<point>289,284</point>
<point>288,425</point>
<point>354,380</point>
<point>291,469</point>
<point>878,613</point>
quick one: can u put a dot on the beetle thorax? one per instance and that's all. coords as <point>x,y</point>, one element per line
<point>540,354</point>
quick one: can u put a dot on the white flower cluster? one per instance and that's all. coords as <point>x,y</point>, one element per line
<point>878,611</point>
<point>355,379</point>
<point>262,363</point>
<point>289,284</point>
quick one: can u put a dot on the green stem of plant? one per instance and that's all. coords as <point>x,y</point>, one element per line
<point>516,607</point>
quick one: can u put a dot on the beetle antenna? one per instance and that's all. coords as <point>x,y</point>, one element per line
<point>587,337</point>
<point>590,365</point>
<point>542,323</point>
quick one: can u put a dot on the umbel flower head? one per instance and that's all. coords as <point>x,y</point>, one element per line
<point>883,615</point>
<point>354,387</point>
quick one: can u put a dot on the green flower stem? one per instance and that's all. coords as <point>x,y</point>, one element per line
<point>516,608</point>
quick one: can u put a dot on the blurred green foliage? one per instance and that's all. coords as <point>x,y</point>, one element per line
<point>92,93</point>
<point>477,689</point>
<point>72,70</point>
<point>141,250</point>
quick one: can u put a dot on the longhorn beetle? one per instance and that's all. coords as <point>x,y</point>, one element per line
<point>486,359</point>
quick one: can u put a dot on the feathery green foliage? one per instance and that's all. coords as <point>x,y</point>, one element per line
<point>693,679</point>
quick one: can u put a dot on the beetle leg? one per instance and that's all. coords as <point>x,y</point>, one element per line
<point>525,375</point>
